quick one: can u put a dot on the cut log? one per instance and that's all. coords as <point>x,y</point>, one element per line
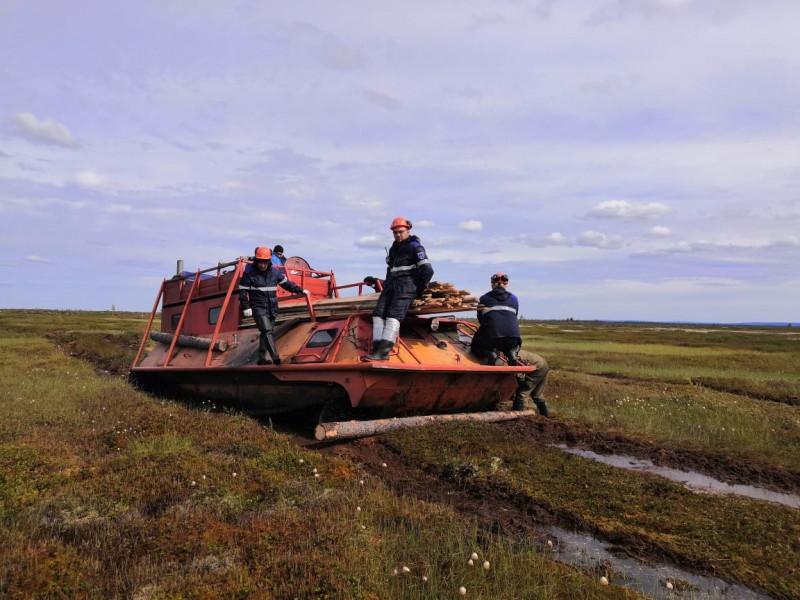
<point>343,430</point>
<point>188,341</point>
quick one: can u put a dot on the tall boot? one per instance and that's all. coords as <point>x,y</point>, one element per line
<point>519,402</point>
<point>273,351</point>
<point>492,359</point>
<point>541,406</point>
<point>380,351</point>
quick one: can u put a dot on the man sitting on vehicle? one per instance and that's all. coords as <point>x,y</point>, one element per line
<point>498,331</point>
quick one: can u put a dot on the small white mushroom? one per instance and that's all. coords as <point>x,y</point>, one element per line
<point>669,585</point>
<point>604,580</point>
<point>474,556</point>
<point>470,562</point>
<point>486,565</point>
<point>424,579</point>
<point>358,509</point>
<point>384,465</point>
<point>406,569</point>
<point>462,590</point>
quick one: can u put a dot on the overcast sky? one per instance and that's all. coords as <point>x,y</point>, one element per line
<point>618,159</point>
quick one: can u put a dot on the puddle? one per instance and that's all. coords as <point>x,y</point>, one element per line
<point>693,481</point>
<point>650,581</point>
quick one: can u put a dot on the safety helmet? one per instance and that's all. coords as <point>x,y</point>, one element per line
<point>501,277</point>
<point>263,253</point>
<point>400,222</point>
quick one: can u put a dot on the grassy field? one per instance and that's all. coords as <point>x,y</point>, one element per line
<point>106,492</point>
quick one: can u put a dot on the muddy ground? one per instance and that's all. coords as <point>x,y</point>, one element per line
<point>497,512</point>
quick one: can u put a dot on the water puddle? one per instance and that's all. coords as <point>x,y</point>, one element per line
<point>693,481</point>
<point>656,582</point>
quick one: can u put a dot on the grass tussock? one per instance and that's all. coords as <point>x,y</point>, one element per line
<point>108,493</point>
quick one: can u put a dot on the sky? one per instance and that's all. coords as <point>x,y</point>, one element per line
<point>618,159</point>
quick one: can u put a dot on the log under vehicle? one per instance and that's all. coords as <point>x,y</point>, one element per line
<point>206,350</point>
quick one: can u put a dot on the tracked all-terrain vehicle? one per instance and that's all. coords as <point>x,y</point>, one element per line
<point>205,349</point>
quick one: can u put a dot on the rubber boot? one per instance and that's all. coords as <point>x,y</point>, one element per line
<point>273,351</point>
<point>493,359</point>
<point>541,406</point>
<point>519,403</point>
<point>380,351</point>
<point>513,357</point>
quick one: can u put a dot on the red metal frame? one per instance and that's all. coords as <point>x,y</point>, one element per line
<point>177,333</point>
<point>228,294</point>
<point>149,323</point>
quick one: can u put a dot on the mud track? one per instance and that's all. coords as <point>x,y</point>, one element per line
<point>496,511</point>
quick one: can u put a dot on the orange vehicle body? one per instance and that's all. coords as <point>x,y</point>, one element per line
<point>206,350</point>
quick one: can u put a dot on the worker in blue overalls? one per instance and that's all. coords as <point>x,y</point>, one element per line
<point>408,273</point>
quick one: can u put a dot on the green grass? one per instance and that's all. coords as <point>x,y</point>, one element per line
<point>108,493</point>
<point>758,541</point>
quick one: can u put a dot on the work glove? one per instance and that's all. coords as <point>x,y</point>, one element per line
<point>247,312</point>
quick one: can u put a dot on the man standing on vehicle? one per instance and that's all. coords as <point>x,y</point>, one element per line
<point>408,273</point>
<point>258,299</point>
<point>498,331</point>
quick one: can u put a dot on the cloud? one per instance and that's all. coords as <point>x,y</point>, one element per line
<point>595,239</point>
<point>382,100</point>
<point>38,259</point>
<point>48,131</point>
<point>471,226</point>
<point>90,179</point>
<point>558,239</point>
<point>660,231</point>
<point>629,211</point>
<point>370,241</point>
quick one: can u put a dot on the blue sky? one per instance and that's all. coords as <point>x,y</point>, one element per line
<point>619,159</point>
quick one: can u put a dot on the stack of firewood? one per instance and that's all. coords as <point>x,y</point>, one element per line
<point>440,295</point>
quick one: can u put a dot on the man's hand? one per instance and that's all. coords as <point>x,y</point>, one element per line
<point>247,312</point>
<point>369,280</point>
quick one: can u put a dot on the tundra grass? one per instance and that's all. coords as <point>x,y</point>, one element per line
<point>753,543</point>
<point>108,493</point>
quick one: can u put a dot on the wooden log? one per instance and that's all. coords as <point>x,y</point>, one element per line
<point>188,341</point>
<point>343,430</point>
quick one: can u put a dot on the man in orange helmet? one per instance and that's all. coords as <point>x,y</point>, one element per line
<point>408,273</point>
<point>258,299</point>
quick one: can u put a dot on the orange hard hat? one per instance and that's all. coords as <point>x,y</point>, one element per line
<point>502,277</point>
<point>263,253</point>
<point>400,222</point>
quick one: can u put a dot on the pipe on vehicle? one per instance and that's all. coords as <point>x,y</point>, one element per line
<point>342,430</point>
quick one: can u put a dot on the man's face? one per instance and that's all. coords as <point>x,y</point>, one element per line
<point>400,234</point>
<point>262,265</point>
